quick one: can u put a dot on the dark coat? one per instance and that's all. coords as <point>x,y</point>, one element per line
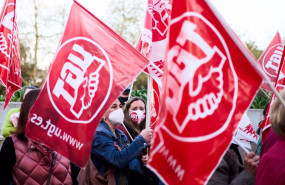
<point>230,172</point>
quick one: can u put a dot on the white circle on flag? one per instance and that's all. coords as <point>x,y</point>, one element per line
<point>226,121</point>
<point>62,107</point>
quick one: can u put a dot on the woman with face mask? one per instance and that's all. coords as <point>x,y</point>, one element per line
<point>111,151</point>
<point>134,122</point>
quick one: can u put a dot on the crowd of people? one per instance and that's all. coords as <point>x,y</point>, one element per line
<point>120,150</point>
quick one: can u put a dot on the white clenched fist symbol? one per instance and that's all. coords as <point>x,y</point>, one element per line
<point>196,77</point>
<point>206,86</point>
<point>90,88</point>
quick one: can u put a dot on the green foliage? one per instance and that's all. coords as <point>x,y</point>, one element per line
<point>259,102</point>
<point>2,97</point>
<point>126,18</point>
<point>254,49</point>
<point>17,96</point>
<point>141,93</point>
<point>140,82</point>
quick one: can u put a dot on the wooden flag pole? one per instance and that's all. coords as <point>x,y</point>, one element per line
<point>265,93</point>
<point>149,98</point>
<point>277,94</point>
<point>131,90</point>
<point>127,131</point>
<point>155,67</point>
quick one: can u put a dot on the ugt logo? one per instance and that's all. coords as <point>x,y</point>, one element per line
<point>73,84</point>
<point>202,84</point>
<point>272,59</point>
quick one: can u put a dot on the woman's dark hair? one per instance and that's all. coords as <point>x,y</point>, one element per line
<point>127,120</point>
<point>28,102</point>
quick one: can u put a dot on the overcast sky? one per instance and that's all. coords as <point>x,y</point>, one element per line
<point>255,20</point>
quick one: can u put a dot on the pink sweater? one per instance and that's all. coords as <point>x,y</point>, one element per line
<point>271,169</point>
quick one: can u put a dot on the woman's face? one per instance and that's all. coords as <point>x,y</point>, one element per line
<point>137,105</point>
<point>116,105</point>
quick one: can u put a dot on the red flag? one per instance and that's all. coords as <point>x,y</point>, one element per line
<point>279,86</point>
<point>152,42</point>
<point>270,60</point>
<point>88,73</point>
<point>206,90</point>
<point>10,66</point>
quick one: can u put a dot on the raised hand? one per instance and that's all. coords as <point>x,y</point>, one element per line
<point>147,134</point>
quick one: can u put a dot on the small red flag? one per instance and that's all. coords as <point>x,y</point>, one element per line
<point>206,90</point>
<point>152,44</point>
<point>270,60</point>
<point>10,66</point>
<point>279,86</point>
<point>89,72</point>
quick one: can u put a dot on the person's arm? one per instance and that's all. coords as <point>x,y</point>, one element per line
<point>7,124</point>
<point>103,147</point>
<point>247,176</point>
<point>7,161</point>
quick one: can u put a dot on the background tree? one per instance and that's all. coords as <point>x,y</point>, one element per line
<point>126,17</point>
<point>261,99</point>
<point>254,49</point>
<point>40,24</point>
<point>39,33</point>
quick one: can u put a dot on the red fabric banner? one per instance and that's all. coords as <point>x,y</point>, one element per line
<point>279,86</point>
<point>270,60</point>
<point>89,72</point>
<point>206,90</point>
<point>10,66</point>
<point>152,42</point>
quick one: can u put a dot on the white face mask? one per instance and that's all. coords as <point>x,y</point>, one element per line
<point>116,117</point>
<point>137,116</point>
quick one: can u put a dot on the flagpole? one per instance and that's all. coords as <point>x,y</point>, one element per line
<point>265,93</point>
<point>249,57</point>
<point>277,94</point>
<point>131,89</point>
<point>148,104</point>
<point>154,66</point>
<point>127,131</point>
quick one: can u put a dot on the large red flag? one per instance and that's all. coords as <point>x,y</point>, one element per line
<point>270,60</point>
<point>208,83</point>
<point>10,66</point>
<point>89,72</point>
